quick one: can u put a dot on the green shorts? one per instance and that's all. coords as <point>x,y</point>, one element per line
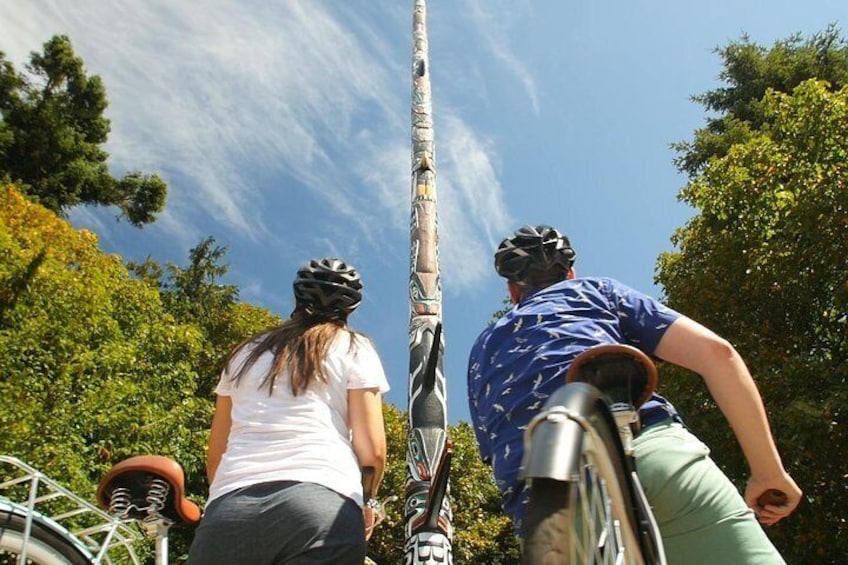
<point>701,515</point>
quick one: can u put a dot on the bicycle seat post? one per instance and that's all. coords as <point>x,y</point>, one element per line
<point>617,386</point>
<point>162,543</point>
<point>627,419</point>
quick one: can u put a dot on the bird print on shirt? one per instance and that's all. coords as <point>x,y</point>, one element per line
<point>551,333</point>
<point>529,351</point>
<point>538,381</point>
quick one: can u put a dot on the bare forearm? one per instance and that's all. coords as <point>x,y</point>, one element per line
<point>688,344</point>
<point>369,438</point>
<point>694,347</point>
<point>212,467</point>
<point>736,395</point>
<point>372,464</point>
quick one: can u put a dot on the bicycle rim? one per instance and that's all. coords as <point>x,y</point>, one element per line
<point>44,546</point>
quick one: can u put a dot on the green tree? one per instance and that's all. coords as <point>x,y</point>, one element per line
<point>52,133</point>
<point>763,263</point>
<point>195,295</point>
<point>750,70</point>
<point>92,369</point>
<point>93,366</point>
<point>482,532</point>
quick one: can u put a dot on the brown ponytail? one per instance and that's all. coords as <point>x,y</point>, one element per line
<point>299,344</point>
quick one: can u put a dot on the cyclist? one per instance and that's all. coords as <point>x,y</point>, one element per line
<point>297,439</point>
<point>522,358</point>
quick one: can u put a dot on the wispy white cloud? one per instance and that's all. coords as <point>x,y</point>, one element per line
<point>472,213</point>
<point>309,99</point>
<point>219,90</point>
<point>492,20</point>
<point>83,215</point>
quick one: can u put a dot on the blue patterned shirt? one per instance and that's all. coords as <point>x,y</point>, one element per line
<point>520,360</point>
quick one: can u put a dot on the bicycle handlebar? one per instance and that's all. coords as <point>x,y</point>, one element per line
<point>772,497</point>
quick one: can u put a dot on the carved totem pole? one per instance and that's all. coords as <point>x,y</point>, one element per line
<point>427,509</point>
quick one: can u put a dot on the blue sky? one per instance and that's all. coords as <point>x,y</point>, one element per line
<point>283,131</point>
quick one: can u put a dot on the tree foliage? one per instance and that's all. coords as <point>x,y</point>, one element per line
<point>93,367</point>
<point>750,70</point>
<point>51,137</point>
<point>763,264</point>
<point>92,370</point>
<point>194,295</point>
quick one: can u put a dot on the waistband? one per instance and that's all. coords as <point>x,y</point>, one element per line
<point>657,412</point>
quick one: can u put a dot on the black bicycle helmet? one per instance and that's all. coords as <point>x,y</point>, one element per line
<point>533,250</point>
<point>328,286</point>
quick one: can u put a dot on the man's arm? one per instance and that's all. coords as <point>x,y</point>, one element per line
<point>693,346</point>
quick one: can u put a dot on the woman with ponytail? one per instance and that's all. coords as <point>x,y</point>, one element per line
<point>297,446</point>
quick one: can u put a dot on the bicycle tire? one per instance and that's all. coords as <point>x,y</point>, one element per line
<point>591,517</point>
<point>44,547</point>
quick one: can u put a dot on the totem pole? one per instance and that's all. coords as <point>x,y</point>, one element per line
<point>427,510</point>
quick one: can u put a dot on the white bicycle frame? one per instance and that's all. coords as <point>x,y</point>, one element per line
<point>28,492</point>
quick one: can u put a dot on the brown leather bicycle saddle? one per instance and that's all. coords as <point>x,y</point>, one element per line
<point>622,372</point>
<point>137,474</point>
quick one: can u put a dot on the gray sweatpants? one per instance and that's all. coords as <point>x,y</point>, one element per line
<point>283,522</point>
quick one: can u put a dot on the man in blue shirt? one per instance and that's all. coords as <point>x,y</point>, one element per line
<point>521,359</point>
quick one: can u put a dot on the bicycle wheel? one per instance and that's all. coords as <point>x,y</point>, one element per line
<point>45,546</point>
<point>588,518</point>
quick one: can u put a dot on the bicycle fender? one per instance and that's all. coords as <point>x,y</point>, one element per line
<point>554,439</point>
<point>47,523</point>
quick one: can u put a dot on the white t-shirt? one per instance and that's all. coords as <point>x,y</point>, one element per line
<point>305,438</point>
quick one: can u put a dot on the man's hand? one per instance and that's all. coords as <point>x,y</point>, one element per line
<point>772,499</point>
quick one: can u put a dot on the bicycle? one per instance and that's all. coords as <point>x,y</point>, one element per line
<point>586,503</point>
<point>44,523</point>
<point>143,496</point>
